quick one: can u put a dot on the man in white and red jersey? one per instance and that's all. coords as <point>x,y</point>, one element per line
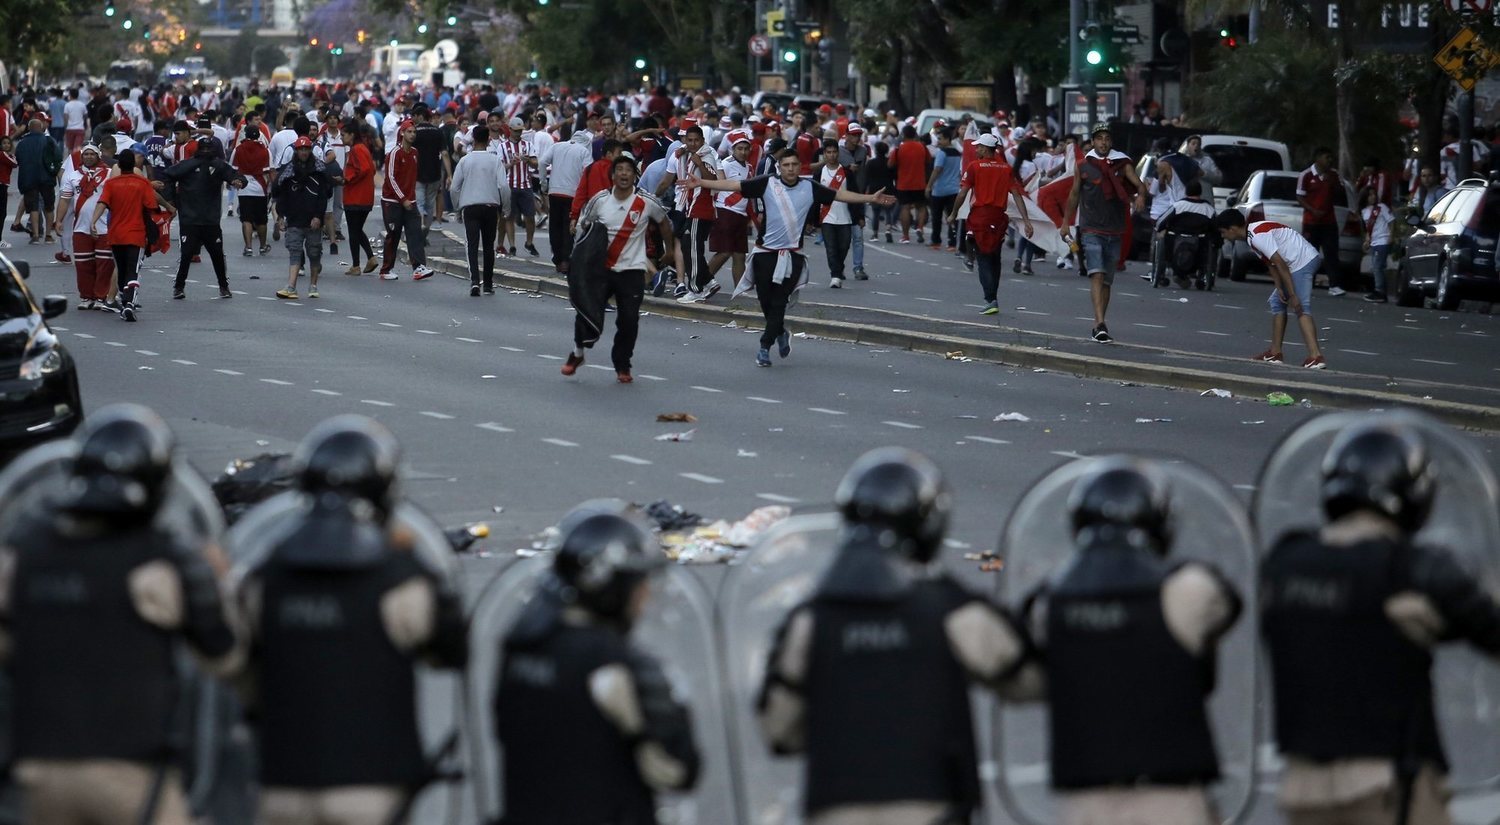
<point>398,207</point>
<point>519,163</point>
<point>93,261</point>
<point>1292,262</point>
<point>692,159</point>
<point>626,214</point>
<point>729,238</point>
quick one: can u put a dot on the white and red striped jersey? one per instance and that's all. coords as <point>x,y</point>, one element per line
<point>513,155</point>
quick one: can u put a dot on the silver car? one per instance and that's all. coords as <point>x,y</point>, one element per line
<point>1272,196</point>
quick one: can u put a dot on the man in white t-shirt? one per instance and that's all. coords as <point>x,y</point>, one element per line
<point>838,224</point>
<point>93,262</point>
<point>729,238</point>
<point>625,214</point>
<point>75,122</point>
<point>1292,262</point>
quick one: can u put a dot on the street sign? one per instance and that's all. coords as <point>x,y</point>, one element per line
<point>760,45</point>
<point>808,25</point>
<point>1124,35</point>
<point>1469,6</point>
<point>1466,58</point>
<point>775,22</point>
<point>1075,107</point>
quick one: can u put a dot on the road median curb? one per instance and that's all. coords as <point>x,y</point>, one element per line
<point>1472,416</point>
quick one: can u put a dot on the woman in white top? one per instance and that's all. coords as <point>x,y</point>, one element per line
<point>1377,219</point>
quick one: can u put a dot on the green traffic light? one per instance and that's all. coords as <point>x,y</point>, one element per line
<point>452,20</point>
<point>1094,57</point>
<point>109,11</point>
<point>789,56</point>
<point>640,62</point>
<point>1223,32</point>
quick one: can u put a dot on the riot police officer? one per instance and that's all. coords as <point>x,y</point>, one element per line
<point>869,678</point>
<point>340,604</point>
<point>587,722</point>
<point>1128,638</point>
<point>95,596</point>
<point>1351,613</point>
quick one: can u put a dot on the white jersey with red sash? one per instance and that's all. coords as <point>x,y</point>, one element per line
<point>625,223</point>
<point>731,169</point>
<point>83,185</point>
<point>835,213</point>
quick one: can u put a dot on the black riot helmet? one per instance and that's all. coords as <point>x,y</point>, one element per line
<point>602,558</point>
<point>352,457</point>
<point>1378,468</point>
<point>123,464</point>
<point>900,490</point>
<point>1128,496</point>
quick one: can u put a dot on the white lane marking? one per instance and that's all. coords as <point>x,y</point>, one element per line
<point>329,393</point>
<point>326,311</point>
<point>389,324</point>
<point>1406,327</point>
<point>1129,294</point>
<point>1227,306</point>
<point>1032,312</point>
<point>761,400</point>
<point>439,416</point>
<point>494,428</point>
<point>356,317</point>
<point>184,362</point>
<point>469,340</point>
<point>550,357</point>
<point>276,381</point>
<point>1358,352</point>
<point>1474,333</point>
<point>560,442</point>
<point>826,411</point>
<point>228,372</point>
<point>1066,454</point>
<point>704,389</point>
<point>265,297</point>
<point>113,344</point>
<point>293,304</point>
<point>1083,318</point>
<point>600,367</point>
<point>1211,332</point>
<point>511,349</point>
<point>703,478</point>
<point>630,459</point>
<point>929,300</point>
<point>376,403</point>
<point>146,352</point>
<point>886,294</point>
<point>82,335</point>
<point>1247,487</point>
<point>428,332</point>
<point>1432,361</point>
<point>239,292</point>
<point>902,424</point>
<point>1150,326</point>
<point>651,377</point>
<point>986,439</point>
<point>776,499</point>
<point>1344,320</point>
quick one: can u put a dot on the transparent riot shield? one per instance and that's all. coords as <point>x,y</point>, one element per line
<point>1465,521</point>
<point>261,530</point>
<point>677,629</point>
<point>1210,525</point>
<point>779,573</point>
<point>34,484</point>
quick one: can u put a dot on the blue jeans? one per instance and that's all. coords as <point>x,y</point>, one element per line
<point>1378,255</point>
<point>859,247</point>
<point>1101,254</point>
<point>1302,281</point>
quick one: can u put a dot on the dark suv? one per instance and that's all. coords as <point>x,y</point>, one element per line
<point>38,382</point>
<point>1451,254</point>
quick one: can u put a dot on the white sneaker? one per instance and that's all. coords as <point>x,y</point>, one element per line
<point>421,273</point>
<point>4,244</point>
<point>691,297</point>
<point>389,276</point>
<point>836,283</point>
<point>1334,292</point>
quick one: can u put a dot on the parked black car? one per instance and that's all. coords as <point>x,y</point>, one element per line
<point>1451,254</point>
<point>38,381</point>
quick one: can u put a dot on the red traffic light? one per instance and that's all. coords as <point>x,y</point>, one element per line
<point>330,47</point>
<point>1230,42</point>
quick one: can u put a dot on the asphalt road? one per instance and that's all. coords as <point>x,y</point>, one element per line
<point>492,432</point>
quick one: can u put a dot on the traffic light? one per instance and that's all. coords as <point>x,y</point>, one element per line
<point>197,47</point>
<point>337,50</point>
<point>1228,40</point>
<point>422,29</point>
<point>312,41</point>
<point>640,63</point>
<point>1099,49</point>
<point>452,20</point>
<point>109,10</point>
<point>330,45</point>
<point>127,24</point>
<point>360,36</point>
<point>790,55</point>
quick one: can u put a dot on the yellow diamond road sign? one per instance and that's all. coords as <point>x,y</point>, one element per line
<point>1466,58</point>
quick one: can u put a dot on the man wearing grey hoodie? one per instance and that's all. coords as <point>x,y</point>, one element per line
<point>563,165</point>
<point>479,188</point>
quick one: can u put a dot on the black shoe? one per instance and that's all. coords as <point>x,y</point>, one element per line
<point>1101,334</point>
<point>474,291</point>
<point>127,312</point>
<point>178,295</point>
<point>531,249</point>
<point>109,306</point>
<point>969,264</point>
<point>1015,266</point>
<point>512,252</point>
<point>225,293</point>
<point>488,289</point>
<point>333,248</point>
<point>888,238</point>
<point>1376,297</point>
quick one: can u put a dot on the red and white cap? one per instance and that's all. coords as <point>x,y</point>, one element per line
<point>726,122</point>
<point>826,108</point>
<point>854,129</point>
<point>739,136</point>
<point>303,142</point>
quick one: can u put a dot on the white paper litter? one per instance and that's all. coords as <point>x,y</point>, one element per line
<point>683,436</point>
<point>743,453</point>
<point>1153,421</point>
<point>1012,416</point>
<point>1217,393</point>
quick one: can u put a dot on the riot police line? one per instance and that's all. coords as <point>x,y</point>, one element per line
<point>1147,636</point>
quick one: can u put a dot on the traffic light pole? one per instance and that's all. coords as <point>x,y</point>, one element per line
<point>1075,51</point>
<point>1090,80</point>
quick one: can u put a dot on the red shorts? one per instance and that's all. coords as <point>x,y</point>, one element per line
<point>730,233</point>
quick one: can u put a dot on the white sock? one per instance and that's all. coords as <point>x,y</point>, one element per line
<point>578,352</point>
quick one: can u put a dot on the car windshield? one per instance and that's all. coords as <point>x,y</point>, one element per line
<point>1284,188</point>
<point>13,300</point>
<point>1238,163</point>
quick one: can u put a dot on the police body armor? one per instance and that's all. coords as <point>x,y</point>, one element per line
<point>545,712</point>
<point>1463,684</point>
<point>379,722</point>
<point>1118,594</point>
<point>74,623</point>
<point>1104,617</point>
<point>1348,683</point>
<point>516,615</point>
<point>873,659</point>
